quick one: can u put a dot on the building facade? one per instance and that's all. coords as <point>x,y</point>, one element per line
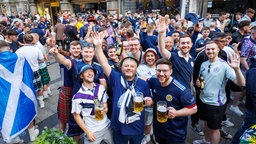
<point>171,7</point>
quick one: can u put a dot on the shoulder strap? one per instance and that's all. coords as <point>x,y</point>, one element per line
<point>96,90</point>
<point>95,95</point>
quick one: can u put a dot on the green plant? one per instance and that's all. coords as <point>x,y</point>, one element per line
<point>53,136</point>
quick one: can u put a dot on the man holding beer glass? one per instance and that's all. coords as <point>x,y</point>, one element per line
<point>91,102</point>
<point>130,93</point>
<point>173,103</point>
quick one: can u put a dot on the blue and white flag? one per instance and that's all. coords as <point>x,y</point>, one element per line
<point>18,105</point>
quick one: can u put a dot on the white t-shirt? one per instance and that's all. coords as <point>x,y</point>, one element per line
<point>32,54</point>
<point>229,51</point>
<point>146,71</point>
<point>89,119</point>
<point>44,51</point>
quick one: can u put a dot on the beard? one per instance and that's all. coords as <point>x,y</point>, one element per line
<point>166,79</point>
<point>176,40</point>
<point>88,80</point>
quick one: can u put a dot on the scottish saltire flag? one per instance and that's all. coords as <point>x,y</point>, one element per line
<point>18,105</point>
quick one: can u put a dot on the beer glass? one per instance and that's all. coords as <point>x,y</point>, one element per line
<point>98,110</point>
<point>162,112</point>
<point>120,49</point>
<point>138,102</point>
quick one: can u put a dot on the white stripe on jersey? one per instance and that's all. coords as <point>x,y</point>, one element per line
<point>179,85</point>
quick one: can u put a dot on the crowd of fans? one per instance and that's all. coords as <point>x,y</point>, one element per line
<point>195,65</point>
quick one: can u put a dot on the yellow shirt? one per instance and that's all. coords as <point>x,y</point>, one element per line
<point>79,25</point>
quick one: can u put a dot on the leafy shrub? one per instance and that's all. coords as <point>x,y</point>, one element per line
<point>53,136</point>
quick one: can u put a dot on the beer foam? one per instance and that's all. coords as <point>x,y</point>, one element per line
<point>138,99</point>
<point>161,108</point>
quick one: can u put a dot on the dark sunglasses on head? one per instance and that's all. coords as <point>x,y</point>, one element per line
<point>88,45</point>
<point>209,68</point>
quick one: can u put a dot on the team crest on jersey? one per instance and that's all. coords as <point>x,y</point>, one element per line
<point>216,70</point>
<point>192,64</point>
<point>168,97</point>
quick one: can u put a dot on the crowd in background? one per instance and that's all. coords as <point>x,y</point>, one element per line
<point>195,64</point>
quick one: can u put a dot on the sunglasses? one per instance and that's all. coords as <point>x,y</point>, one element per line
<point>209,68</point>
<point>88,45</point>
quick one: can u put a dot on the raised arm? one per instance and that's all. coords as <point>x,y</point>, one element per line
<point>235,64</point>
<point>161,28</point>
<point>97,41</point>
<point>58,57</point>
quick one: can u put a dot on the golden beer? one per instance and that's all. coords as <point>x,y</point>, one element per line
<point>138,104</point>
<point>162,115</point>
<point>120,49</point>
<point>99,114</point>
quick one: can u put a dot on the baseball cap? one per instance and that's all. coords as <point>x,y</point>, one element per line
<point>86,67</point>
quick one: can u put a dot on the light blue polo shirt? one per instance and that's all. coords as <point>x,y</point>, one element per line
<point>215,76</point>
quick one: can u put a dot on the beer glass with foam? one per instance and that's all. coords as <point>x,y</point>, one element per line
<point>138,102</point>
<point>98,111</point>
<point>162,112</point>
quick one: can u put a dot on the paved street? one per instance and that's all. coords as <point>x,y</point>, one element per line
<point>47,117</point>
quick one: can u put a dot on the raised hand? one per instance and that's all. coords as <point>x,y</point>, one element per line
<point>235,47</point>
<point>97,38</point>
<point>234,61</point>
<point>51,42</point>
<point>53,51</point>
<point>161,25</point>
<point>90,27</point>
<point>198,27</point>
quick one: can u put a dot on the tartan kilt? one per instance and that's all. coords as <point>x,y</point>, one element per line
<point>73,128</point>
<point>64,104</point>
<point>37,81</point>
<point>45,75</point>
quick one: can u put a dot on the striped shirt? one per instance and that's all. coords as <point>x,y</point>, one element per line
<point>83,103</point>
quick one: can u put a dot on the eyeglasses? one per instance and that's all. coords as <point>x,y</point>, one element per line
<point>163,70</point>
<point>209,68</point>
